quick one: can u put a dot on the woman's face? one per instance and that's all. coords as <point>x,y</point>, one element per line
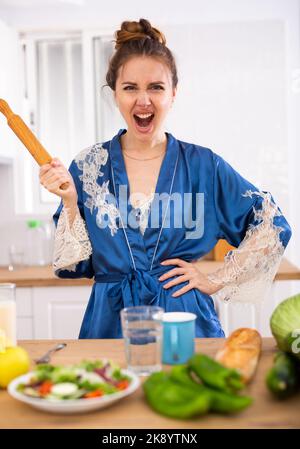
<point>144,95</point>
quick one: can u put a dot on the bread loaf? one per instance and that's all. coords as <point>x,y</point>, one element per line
<point>241,352</point>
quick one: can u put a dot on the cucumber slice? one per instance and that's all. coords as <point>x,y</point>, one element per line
<point>64,389</point>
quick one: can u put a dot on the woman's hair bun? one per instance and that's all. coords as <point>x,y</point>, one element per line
<point>137,30</point>
<point>135,39</point>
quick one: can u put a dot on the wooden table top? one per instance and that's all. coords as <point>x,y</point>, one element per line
<point>44,276</point>
<point>133,411</point>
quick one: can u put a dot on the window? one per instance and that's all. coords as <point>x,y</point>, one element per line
<point>53,108</point>
<point>108,118</point>
<point>60,113</point>
<point>64,104</point>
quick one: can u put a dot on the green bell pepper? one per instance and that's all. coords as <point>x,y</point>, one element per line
<point>182,375</point>
<point>215,375</point>
<point>219,400</point>
<point>228,403</point>
<point>173,399</point>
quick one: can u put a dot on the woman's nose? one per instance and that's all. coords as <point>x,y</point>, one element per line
<point>143,99</point>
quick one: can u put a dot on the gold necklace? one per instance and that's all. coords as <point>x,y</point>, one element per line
<point>146,159</point>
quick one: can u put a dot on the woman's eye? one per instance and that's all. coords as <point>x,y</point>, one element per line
<point>157,87</point>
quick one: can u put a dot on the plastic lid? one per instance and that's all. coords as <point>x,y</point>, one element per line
<point>33,223</point>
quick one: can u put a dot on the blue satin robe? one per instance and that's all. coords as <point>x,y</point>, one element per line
<point>126,265</point>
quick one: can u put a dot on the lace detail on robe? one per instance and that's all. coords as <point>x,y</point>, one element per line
<point>142,209</point>
<point>72,244</point>
<point>89,161</point>
<point>249,270</point>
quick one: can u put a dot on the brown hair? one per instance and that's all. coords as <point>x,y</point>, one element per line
<point>139,39</point>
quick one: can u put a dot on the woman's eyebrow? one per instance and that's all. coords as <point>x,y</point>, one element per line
<point>150,84</point>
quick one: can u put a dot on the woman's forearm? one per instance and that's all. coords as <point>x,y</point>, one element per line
<point>72,210</point>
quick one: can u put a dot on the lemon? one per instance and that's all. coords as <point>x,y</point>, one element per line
<point>14,361</point>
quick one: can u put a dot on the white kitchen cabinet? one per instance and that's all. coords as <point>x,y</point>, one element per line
<point>233,316</point>
<point>24,328</point>
<point>58,311</point>
<point>50,312</point>
<point>24,313</point>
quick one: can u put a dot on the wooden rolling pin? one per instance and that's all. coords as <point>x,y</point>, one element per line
<point>27,137</point>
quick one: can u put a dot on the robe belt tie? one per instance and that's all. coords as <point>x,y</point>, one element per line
<point>135,288</point>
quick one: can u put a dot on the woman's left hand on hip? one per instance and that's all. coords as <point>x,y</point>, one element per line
<point>187,271</point>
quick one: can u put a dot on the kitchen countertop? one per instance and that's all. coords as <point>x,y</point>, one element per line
<point>133,412</point>
<point>44,276</point>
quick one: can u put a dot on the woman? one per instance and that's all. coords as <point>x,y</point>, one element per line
<point>127,216</point>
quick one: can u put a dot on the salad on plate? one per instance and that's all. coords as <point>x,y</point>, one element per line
<point>86,380</point>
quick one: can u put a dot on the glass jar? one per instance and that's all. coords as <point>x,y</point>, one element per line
<point>8,314</point>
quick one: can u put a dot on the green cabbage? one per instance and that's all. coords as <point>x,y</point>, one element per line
<point>285,320</point>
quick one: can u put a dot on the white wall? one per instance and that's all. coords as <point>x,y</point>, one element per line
<point>10,83</point>
<point>31,15</point>
<point>10,90</point>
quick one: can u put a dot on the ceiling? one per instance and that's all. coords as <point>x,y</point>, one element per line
<point>38,3</point>
<point>32,15</point>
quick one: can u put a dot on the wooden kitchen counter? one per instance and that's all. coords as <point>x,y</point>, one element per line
<point>133,412</point>
<point>44,276</point>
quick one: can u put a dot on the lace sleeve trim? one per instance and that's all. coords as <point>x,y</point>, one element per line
<point>249,270</point>
<point>72,244</point>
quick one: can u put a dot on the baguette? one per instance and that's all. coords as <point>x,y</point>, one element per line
<point>241,352</point>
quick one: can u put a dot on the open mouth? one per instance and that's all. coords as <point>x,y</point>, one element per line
<point>143,120</point>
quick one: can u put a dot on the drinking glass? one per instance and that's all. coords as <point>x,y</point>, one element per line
<point>16,257</point>
<point>142,332</point>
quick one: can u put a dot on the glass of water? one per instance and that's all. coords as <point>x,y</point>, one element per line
<point>16,257</point>
<point>142,332</point>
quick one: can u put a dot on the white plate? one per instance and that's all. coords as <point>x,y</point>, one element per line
<point>72,405</point>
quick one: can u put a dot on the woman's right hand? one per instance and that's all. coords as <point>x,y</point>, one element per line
<point>53,176</point>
